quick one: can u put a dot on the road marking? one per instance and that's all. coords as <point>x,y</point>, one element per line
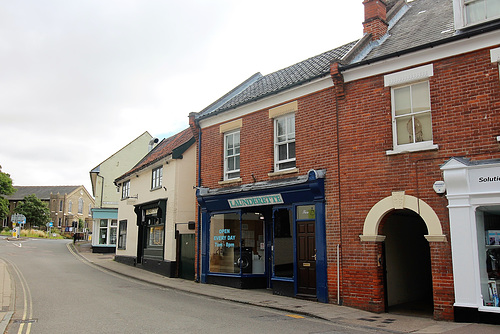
<point>27,300</point>
<point>295,316</point>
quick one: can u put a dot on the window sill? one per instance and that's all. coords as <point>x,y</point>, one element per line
<point>412,148</point>
<point>153,189</point>
<point>284,172</point>
<point>231,181</point>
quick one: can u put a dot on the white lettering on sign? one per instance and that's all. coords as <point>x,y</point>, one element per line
<point>255,201</point>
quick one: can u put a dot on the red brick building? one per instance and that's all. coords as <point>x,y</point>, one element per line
<point>351,177</point>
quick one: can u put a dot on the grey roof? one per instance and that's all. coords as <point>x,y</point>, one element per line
<point>42,192</point>
<point>297,74</point>
<point>426,21</point>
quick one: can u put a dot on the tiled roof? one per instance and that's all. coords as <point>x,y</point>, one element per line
<point>426,21</point>
<point>42,192</point>
<point>300,73</point>
<point>166,147</point>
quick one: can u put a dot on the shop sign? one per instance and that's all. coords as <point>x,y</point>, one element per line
<point>152,212</point>
<point>255,201</point>
<point>485,179</point>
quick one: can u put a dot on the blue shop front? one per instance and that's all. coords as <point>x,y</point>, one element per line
<point>266,235</point>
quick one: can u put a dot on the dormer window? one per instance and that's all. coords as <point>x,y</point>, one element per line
<point>471,12</point>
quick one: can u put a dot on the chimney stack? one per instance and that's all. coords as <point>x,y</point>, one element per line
<point>375,18</point>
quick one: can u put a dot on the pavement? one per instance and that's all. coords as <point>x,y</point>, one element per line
<point>343,315</point>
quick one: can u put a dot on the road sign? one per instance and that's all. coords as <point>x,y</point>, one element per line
<point>51,224</point>
<point>18,218</point>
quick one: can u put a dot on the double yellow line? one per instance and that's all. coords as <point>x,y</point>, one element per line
<point>27,300</point>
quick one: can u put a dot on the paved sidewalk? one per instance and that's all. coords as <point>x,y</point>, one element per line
<point>6,296</point>
<point>337,314</point>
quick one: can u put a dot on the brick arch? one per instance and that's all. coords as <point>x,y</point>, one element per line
<point>397,201</point>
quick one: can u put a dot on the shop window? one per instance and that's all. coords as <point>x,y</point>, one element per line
<point>284,142</point>
<point>155,237</point>
<point>103,232</point>
<point>112,232</point>
<point>122,234</point>
<point>232,155</point>
<point>488,225</point>
<point>224,236</point>
<point>237,245</point>
<point>283,243</point>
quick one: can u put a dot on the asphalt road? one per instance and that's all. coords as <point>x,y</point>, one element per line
<point>58,292</point>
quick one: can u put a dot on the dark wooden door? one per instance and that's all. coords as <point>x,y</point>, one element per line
<point>306,258</point>
<point>186,256</point>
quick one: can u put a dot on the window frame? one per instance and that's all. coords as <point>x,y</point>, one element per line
<point>126,189</point>
<point>287,142</point>
<point>235,173</point>
<point>460,13</point>
<point>156,177</point>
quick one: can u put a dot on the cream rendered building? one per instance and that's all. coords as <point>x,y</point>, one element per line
<point>156,207</point>
<point>107,197</point>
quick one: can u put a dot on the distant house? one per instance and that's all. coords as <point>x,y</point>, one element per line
<point>107,197</point>
<point>156,207</point>
<point>67,204</point>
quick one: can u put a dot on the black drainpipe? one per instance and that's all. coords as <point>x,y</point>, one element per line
<point>198,241</point>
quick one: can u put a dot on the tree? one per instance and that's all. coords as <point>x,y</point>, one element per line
<point>6,188</point>
<point>37,212</point>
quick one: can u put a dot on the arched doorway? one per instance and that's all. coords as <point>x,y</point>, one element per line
<point>407,264</point>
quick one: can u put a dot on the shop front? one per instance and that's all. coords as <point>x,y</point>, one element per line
<point>151,238</point>
<point>266,235</point>
<point>473,192</point>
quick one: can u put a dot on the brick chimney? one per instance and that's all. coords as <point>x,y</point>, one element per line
<point>375,18</point>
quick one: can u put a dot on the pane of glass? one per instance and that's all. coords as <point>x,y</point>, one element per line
<point>112,236</point>
<point>291,150</point>
<point>103,223</point>
<point>233,175</point>
<point>492,8</point>
<point>402,101</point>
<point>224,238</point>
<point>404,129</point>
<point>230,164</point>
<point>488,237</point>
<point>423,127</point>
<point>306,212</point>
<point>280,127</point>
<point>114,222</point>
<point>103,236</point>
<point>156,235</point>
<point>229,142</point>
<point>282,152</point>
<point>291,127</point>
<point>252,256</point>
<point>286,165</point>
<point>475,11</point>
<point>237,162</point>
<point>420,97</point>
<point>283,243</point>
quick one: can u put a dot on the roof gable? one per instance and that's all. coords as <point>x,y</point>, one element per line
<point>174,145</point>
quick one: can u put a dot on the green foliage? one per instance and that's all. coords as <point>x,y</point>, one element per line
<point>6,188</point>
<point>37,212</point>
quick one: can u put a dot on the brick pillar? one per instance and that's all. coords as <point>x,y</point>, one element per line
<point>442,280</point>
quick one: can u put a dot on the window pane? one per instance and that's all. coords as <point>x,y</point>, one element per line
<point>492,8</point>
<point>402,101</point>
<point>252,256</point>
<point>112,236</point>
<point>156,235</point>
<point>282,152</point>
<point>103,236</point>
<point>237,162</point>
<point>420,97</point>
<point>306,212</point>
<point>280,126</point>
<point>404,128</point>
<point>423,127</point>
<point>291,150</point>
<point>230,164</point>
<point>286,165</point>
<point>224,238</point>
<point>291,128</point>
<point>103,223</point>
<point>283,243</point>
<point>475,11</point>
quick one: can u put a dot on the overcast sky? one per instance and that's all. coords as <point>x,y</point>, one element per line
<point>80,79</point>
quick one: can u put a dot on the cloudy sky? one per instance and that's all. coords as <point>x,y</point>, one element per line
<point>80,79</point>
